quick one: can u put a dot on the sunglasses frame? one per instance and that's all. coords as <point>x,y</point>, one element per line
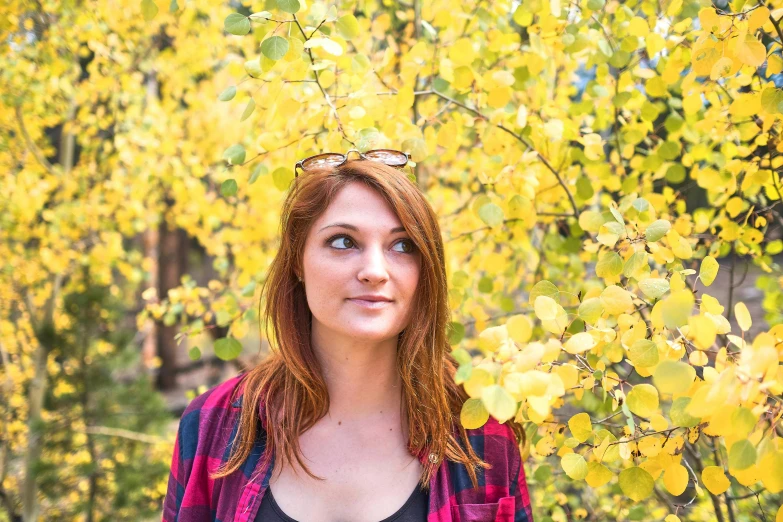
<point>300,163</point>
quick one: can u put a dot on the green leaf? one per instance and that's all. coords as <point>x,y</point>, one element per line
<point>609,265</point>
<point>227,348</point>
<point>654,287</point>
<point>708,270</point>
<point>545,288</point>
<point>656,230</point>
<point>194,353</point>
<point>348,26</point>
<point>249,289</point>
<point>742,454</point>
<point>228,93</point>
<point>590,310</point>
<point>282,177</point>
<point>636,483</point>
<point>636,265</point>
<point>148,9</point>
<point>249,108</point>
<point>491,214</point>
<point>473,415</point>
<point>237,24</point>
<point>235,154</point>
<point>274,47</point>
<point>258,170</point>
<point>228,188</point>
<point>288,6</point>
<point>679,415</point>
<point>173,7</point>
<point>456,333</point>
<point>253,68</point>
<point>643,353</point>
<point>574,466</point>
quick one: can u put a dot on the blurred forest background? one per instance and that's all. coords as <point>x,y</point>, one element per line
<point>596,165</point>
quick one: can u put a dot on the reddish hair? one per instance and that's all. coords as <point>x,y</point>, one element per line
<point>290,379</point>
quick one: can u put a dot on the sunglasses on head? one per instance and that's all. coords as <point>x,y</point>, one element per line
<point>390,157</point>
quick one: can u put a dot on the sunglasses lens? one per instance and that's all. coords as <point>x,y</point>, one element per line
<point>323,160</point>
<point>393,158</point>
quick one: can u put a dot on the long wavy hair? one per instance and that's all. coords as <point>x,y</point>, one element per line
<point>290,378</point>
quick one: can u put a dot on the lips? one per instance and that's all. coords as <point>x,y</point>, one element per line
<point>370,304</point>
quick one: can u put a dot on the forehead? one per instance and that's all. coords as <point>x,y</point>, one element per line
<point>359,205</point>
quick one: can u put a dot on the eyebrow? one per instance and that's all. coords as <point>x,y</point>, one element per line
<point>352,227</point>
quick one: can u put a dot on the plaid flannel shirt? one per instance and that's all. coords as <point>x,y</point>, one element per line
<point>209,425</point>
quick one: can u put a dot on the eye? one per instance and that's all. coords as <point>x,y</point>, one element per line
<point>409,248</point>
<point>336,239</point>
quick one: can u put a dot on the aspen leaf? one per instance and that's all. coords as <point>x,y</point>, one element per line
<point>636,265</point>
<point>491,214</point>
<point>677,308</point>
<point>745,104</point>
<point>609,265</point>
<point>546,308</point>
<point>578,343</point>
<point>643,400</point>
<point>347,26</point>
<point>473,415</point>
<point>581,427</point>
<point>743,316</point>
<point>522,116</point>
<point>519,328</point>
<point>228,93</point>
<point>227,348</point>
<point>771,467</point>
<point>673,377</point>
<point>327,44</point>
<point>779,516</point>
<point>235,155</point>
<point>228,188</point>
<point>742,454</point>
<point>702,330</point>
<point>479,379</point>
<point>237,24</point>
<point>679,415</point>
<point>590,310</point>
<point>597,474</point>
<point>675,479</point>
<point>751,51</point>
<point>643,353</point>
<point>288,6</point>
<point>616,300</point>
<point>708,270</point>
<point>671,518</point>
<point>574,466</point>
<point>654,288</point>
<point>715,480</point>
<point>757,18</point>
<point>636,483</point>
<point>275,47</point>
<point>656,230</point>
<point>498,402</point>
<point>545,288</point>
<point>249,108</point>
<point>149,9</point>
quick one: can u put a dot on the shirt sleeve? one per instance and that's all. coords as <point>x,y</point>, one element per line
<point>180,475</point>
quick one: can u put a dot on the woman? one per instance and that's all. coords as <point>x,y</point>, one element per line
<point>354,416</point>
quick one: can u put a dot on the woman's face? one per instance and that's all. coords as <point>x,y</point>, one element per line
<point>357,251</point>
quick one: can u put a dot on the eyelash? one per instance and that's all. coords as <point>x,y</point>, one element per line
<point>338,236</point>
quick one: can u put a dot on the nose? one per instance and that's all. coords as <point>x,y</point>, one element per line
<point>373,266</point>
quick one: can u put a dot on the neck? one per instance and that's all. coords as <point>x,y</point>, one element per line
<point>362,378</point>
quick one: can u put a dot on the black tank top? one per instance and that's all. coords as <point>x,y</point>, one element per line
<point>414,510</point>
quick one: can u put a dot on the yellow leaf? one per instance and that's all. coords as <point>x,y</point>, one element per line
<point>702,330</point>
<point>478,380</point>
<point>692,103</point>
<point>746,104</point>
<point>519,328</point>
<point>751,51</point>
<point>757,18</point>
<point>638,27</point>
<point>581,427</point>
<point>709,19</point>
<point>574,465</point>
<point>671,518</point>
<point>597,474</point>
<point>545,308</point>
<point>499,403</point>
<point>643,400</point>
<point>774,64</point>
<point>721,68</point>
<point>655,43</point>
<point>715,480</point>
<point>677,308</point>
<point>743,316</point>
<point>779,516</point>
<point>522,116</point>
<point>616,300</point>
<point>708,270</point>
<point>580,342</point>
<point>734,206</point>
<point>636,483</point>
<point>473,415</point>
<point>675,479</point>
<point>704,56</point>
